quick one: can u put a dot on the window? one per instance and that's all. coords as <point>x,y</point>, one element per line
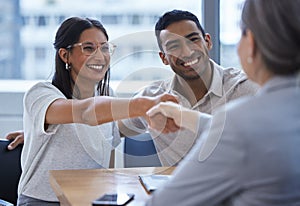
<point>109,19</point>
<point>136,19</point>
<point>230,13</point>
<point>40,53</point>
<point>33,23</point>
<point>22,25</point>
<point>41,21</point>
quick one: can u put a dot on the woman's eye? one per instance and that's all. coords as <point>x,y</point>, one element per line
<point>89,48</point>
<point>105,48</point>
<point>173,47</point>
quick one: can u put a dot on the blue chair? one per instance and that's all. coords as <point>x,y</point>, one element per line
<point>9,173</point>
<point>139,151</point>
<point>5,203</point>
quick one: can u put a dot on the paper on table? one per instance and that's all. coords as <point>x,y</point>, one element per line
<point>153,182</point>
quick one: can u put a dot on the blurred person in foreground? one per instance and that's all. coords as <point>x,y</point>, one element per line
<point>250,153</point>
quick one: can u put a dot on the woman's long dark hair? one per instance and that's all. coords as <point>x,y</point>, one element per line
<point>68,34</point>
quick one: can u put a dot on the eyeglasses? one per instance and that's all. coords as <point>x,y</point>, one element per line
<point>90,48</point>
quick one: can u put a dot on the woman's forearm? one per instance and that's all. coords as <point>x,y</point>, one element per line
<point>100,110</point>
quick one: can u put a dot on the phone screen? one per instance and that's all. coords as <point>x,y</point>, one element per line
<point>113,199</point>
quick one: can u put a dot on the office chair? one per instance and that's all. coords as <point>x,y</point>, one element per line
<point>139,151</point>
<point>9,173</point>
<point>5,203</point>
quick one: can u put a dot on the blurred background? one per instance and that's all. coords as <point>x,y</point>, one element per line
<point>27,30</point>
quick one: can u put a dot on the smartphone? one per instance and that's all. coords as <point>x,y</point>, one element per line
<point>116,199</point>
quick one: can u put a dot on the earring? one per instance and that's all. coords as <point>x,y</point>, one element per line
<point>68,66</point>
<point>249,60</point>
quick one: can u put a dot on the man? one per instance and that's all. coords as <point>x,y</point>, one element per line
<point>200,84</point>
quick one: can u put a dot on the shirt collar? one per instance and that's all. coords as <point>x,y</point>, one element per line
<point>216,86</point>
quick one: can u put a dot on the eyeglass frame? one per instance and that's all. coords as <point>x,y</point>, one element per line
<point>111,47</point>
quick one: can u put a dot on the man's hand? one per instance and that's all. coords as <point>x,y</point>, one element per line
<point>16,137</point>
<point>166,97</point>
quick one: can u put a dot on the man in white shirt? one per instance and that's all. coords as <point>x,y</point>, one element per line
<point>200,83</point>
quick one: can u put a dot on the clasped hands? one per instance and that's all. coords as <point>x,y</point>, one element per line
<point>167,117</point>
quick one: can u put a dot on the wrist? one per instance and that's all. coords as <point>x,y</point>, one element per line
<point>140,105</point>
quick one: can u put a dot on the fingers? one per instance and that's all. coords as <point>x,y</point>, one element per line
<point>163,116</point>
<point>17,138</point>
<point>162,124</point>
<point>169,97</point>
<point>168,109</point>
<point>171,126</point>
<point>154,110</point>
<point>13,135</point>
<point>157,122</point>
<point>17,141</point>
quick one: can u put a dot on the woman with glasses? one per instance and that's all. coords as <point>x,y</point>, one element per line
<point>68,122</point>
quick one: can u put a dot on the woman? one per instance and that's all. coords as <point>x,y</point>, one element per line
<point>250,154</point>
<point>66,122</point>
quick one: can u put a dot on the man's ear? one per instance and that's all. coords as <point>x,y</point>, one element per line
<point>163,58</point>
<point>207,39</point>
<point>63,54</point>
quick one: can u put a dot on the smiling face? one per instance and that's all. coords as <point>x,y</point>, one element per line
<point>89,68</point>
<point>185,49</point>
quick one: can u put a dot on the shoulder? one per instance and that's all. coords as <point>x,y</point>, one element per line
<point>43,90</point>
<point>42,85</point>
<point>233,75</point>
<point>236,80</point>
<point>229,75</point>
<point>238,76</point>
<point>241,111</point>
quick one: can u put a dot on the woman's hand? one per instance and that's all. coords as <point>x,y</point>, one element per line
<point>159,121</point>
<point>16,137</point>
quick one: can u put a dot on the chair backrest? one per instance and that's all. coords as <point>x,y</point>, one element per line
<point>10,172</point>
<point>139,151</point>
<point>5,203</point>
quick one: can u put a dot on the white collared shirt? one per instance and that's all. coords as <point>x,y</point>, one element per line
<point>226,85</point>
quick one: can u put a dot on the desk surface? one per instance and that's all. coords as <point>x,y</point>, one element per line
<point>81,187</point>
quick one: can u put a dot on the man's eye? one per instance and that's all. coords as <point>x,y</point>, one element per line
<point>195,39</point>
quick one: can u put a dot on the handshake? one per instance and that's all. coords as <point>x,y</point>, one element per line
<point>168,117</point>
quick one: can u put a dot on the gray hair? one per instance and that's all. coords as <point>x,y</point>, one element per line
<point>275,25</point>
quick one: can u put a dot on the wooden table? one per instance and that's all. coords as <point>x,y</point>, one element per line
<point>81,187</point>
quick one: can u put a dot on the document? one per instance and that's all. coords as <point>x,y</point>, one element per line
<point>153,182</point>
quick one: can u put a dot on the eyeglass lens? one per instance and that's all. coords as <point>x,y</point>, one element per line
<point>89,48</point>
